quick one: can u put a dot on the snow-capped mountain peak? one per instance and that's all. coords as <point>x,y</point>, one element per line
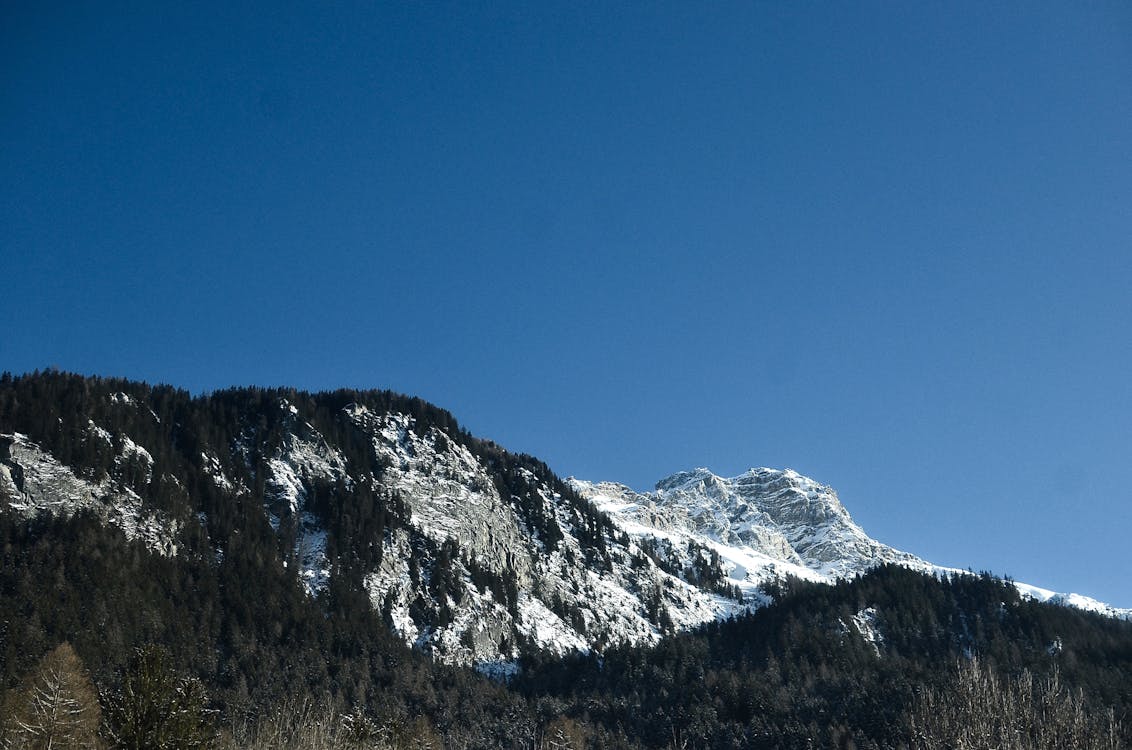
<point>767,523</point>
<point>798,525</point>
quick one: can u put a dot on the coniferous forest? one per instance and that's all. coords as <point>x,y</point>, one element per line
<point>104,642</point>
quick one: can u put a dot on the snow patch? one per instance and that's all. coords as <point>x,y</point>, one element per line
<point>865,621</point>
<point>132,453</point>
<point>546,630</point>
<point>305,456</point>
<point>212,467</point>
<point>1076,601</point>
<point>99,432</point>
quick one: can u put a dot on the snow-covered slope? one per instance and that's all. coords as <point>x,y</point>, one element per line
<point>765,524</point>
<point>1077,601</point>
<point>768,523</point>
<point>566,597</point>
<point>304,457</point>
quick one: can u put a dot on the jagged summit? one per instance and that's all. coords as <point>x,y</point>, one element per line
<point>705,476</point>
<point>765,523</point>
<point>805,519</point>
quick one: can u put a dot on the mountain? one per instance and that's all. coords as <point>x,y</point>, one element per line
<point>361,549</point>
<point>476,559</point>
<point>472,554</point>
<point>766,524</point>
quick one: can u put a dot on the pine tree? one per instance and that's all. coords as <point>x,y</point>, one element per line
<point>156,709</point>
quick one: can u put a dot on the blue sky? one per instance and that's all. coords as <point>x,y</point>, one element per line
<point>885,244</point>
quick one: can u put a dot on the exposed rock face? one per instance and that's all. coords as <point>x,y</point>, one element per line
<point>34,482</point>
<point>564,599</point>
<point>9,469</point>
<point>762,525</point>
<point>464,575</point>
<point>450,494</point>
<point>781,513</point>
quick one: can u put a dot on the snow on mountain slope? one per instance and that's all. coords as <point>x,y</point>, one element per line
<point>767,523</point>
<point>33,481</point>
<point>450,494</point>
<point>765,556</point>
<point>1077,601</point>
<point>564,600</point>
<point>803,517</point>
<point>305,457</point>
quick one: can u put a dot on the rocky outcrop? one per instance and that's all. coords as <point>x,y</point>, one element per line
<point>781,513</point>
<point>11,473</point>
<point>35,482</point>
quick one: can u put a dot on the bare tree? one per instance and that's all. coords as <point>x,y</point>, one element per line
<point>58,707</point>
<point>981,711</point>
<point>562,733</point>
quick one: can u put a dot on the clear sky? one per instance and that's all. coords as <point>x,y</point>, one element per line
<point>888,245</point>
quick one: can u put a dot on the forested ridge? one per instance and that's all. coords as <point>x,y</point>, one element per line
<point>798,674</point>
<point>225,626</point>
